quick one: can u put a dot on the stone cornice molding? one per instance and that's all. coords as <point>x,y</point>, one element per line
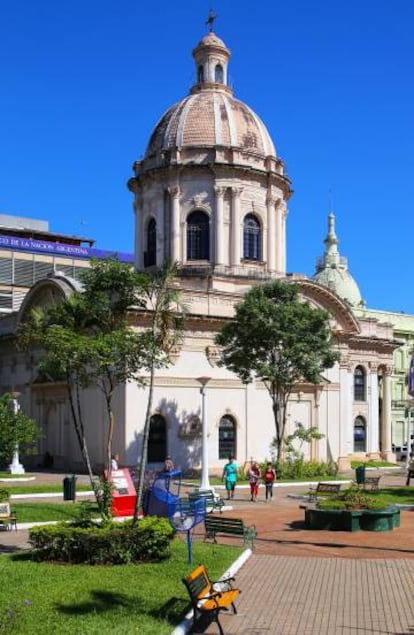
<point>330,301</point>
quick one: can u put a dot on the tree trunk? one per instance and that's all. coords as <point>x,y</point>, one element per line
<point>144,446</point>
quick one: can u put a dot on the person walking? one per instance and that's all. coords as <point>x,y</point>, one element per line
<point>269,478</point>
<point>410,471</point>
<point>254,478</point>
<point>230,477</point>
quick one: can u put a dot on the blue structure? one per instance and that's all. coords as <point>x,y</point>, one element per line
<point>186,516</point>
<point>164,495</point>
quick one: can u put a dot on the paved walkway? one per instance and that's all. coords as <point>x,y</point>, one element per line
<point>313,582</point>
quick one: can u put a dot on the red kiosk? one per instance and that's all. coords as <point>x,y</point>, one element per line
<point>124,495</point>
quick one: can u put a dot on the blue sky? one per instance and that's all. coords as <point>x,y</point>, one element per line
<point>84,82</point>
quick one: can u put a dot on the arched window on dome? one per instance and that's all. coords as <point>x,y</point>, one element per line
<point>227,437</point>
<point>151,253</point>
<point>157,440</point>
<point>360,435</point>
<point>359,384</point>
<point>200,74</point>
<point>252,238</point>
<point>218,74</point>
<point>198,236</point>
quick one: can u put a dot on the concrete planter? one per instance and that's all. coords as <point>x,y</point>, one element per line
<point>352,520</point>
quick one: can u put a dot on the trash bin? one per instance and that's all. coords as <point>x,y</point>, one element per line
<point>69,488</point>
<point>360,475</point>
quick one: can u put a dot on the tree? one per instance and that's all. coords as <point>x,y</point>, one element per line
<point>85,341</point>
<point>166,312</point>
<point>15,429</point>
<point>277,338</point>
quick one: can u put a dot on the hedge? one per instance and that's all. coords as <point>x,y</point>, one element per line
<point>116,543</point>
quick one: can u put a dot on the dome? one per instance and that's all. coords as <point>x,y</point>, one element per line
<point>211,118</point>
<point>332,269</point>
<point>340,282</point>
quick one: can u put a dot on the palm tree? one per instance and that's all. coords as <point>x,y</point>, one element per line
<point>166,311</point>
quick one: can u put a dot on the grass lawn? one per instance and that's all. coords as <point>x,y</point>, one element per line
<point>147,599</point>
<point>395,495</point>
<point>28,488</point>
<point>43,511</point>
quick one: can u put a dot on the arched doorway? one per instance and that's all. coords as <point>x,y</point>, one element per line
<point>157,441</point>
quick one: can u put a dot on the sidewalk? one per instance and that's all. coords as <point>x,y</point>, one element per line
<point>313,582</point>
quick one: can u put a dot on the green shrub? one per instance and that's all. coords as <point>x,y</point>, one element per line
<point>114,543</point>
<point>299,468</point>
<point>352,498</point>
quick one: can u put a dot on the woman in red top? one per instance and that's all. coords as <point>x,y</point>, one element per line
<point>269,478</point>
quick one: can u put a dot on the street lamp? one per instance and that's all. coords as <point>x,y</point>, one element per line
<point>15,466</point>
<point>205,483</point>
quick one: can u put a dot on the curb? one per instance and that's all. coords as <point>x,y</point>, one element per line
<point>185,626</point>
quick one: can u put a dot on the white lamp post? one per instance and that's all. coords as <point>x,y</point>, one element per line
<point>15,466</point>
<point>205,483</point>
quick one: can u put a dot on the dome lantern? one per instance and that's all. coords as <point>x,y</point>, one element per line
<point>211,58</point>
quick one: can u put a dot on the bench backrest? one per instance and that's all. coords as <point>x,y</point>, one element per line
<point>328,487</point>
<point>224,525</point>
<point>198,583</point>
<point>5,510</point>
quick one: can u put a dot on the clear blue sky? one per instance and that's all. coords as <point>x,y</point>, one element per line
<point>84,82</point>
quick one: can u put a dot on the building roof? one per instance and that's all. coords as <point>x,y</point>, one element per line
<point>210,116</point>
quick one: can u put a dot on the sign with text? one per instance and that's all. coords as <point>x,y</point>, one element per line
<point>123,493</point>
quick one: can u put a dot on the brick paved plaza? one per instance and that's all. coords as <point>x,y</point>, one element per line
<point>316,582</point>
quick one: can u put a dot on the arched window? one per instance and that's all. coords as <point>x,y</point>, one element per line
<point>151,254</point>
<point>359,384</point>
<point>218,74</point>
<point>360,435</point>
<point>200,73</point>
<point>157,441</point>
<point>251,238</point>
<point>227,437</point>
<point>198,236</point>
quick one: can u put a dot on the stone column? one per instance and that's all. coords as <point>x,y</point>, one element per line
<point>279,236</point>
<point>282,241</point>
<point>271,232</point>
<point>235,226</point>
<point>175,194</point>
<point>219,225</point>
<point>386,449</point>
<point>139,246</point>
<point>373,420</point>
<point>345,411</point>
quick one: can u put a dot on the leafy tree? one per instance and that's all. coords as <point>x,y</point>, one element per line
<point>166,312</point>
<point>278,339</point>
<point>15,428</point>
<point>86,341</point>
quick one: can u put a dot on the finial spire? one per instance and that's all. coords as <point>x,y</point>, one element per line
<point>211,17</point>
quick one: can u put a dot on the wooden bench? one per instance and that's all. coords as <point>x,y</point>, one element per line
<point>230,526</point>
<point>323,488</point>
<point>205,599</point>
<point>372,482</point>
<point>213,502</point>
<point>7,516</point>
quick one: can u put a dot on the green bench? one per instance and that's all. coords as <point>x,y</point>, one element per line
<point>213,502</point>
<point>323,488</point>
<point>229,526</point>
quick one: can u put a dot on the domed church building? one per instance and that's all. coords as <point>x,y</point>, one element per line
<point>211,194</point>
